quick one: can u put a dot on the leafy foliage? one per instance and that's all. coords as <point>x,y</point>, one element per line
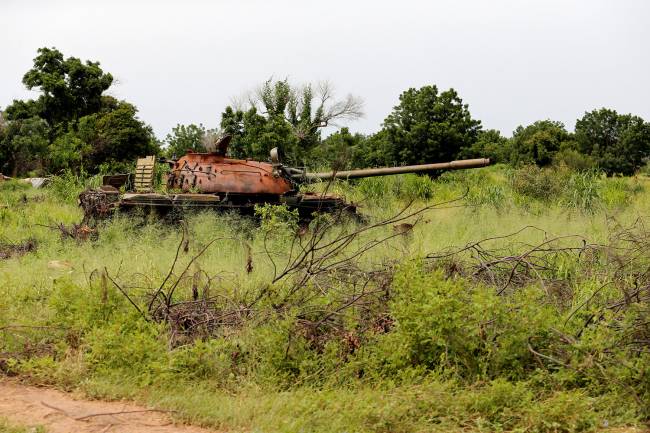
<point>340,150</point>
<point>71,125</point>
<point>538,143</point>
<point>69,88</point>
<point>186,137</point>
<point>489,144</point>
<point>618,143</point>
<point>255,135</point>
<point>286,117</point>
<point>426,126</point>
<point>23,145</point>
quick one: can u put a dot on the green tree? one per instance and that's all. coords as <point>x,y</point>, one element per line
<point>68,151</point>
<point>341,150</point>
<point>489,144</point>
<point>427,126</point>
<point>23,146</point>
<point>113,137</point>
<point>538,143</point>
<point>255,135</point>
<point>374,151</point>
<point>69,88</point>
<point>117,136</point>
<point>619,143</point>
<point>185,137</point>
<point>85,129</point>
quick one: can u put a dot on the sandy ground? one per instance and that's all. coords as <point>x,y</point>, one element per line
<point>59,412</point>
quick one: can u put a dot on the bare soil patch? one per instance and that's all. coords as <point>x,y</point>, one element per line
<point>60,412</point>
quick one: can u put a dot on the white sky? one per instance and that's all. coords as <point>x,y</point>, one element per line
<point>512,61</point>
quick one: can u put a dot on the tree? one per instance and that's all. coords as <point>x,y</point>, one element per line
<point>69,88</point>
<point>619,143</point>
<point>117,136</point>
<point>68,151</point>
<point>538,143</point>
<point>84,128</point>
<point>285,116</point>
<point>255,135</point>
<point>489,144</point>
<point>183,138</point>
<point>23,145</point>
<point>427,126</point>
<point>341,150</point>
<point>112,137</point>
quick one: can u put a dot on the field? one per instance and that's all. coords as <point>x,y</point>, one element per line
<point>496,299</point>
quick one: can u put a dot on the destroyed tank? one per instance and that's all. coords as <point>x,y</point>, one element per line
<point>215,181</point>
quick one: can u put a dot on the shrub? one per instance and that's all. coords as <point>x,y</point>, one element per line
<point>574,160</point>
<point>450,326</point>
<point>538,183</point>
<point>277,219</point>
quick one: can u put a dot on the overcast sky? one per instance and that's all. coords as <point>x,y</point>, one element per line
<point>512,61</point>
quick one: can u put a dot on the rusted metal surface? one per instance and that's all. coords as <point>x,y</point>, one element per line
<point>117,180</point>
<point>155,199</point>
<point>387,171</point>
<point>98,203</point>
<point>212,173</point>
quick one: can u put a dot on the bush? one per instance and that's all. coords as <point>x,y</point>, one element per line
<point>450,326</point>
<point>574,160</point>
<point>277,220</point>
<point>538,183</point>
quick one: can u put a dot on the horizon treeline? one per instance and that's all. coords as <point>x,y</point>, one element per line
<point>74,126</point>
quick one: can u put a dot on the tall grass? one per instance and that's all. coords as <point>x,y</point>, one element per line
<point>454,355</point>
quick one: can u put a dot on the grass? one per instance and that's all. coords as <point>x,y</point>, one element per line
<point>456,357</point>
<point>7,427</point>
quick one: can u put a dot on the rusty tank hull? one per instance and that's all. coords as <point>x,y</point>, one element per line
<point>216,174</point>
<point>215,181</point>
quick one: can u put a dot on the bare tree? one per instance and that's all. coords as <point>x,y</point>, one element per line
<point>210,138</point>
<point>306,107</point>
<point>349,108</point>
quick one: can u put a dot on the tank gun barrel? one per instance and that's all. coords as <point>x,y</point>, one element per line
<point>387,171</point>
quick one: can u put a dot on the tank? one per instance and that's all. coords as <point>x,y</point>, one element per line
<point>213,180</point>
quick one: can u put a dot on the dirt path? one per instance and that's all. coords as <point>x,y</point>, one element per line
<point>59,412</point>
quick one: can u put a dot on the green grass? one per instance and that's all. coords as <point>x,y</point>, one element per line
<point>455,357</point>
<point>8,427</point>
